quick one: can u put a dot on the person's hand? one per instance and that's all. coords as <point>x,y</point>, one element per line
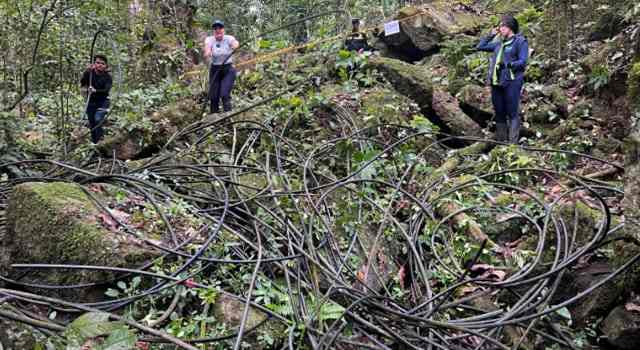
<point>91,66</point>
<point>92,89</point>
<point>361,51</point>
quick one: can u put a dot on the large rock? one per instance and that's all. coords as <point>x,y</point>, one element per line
<point>423,29</point>
<point>152,132</point>
<point>622,328</point>
<point>438,105</point>
<point>475,100</point>
<point>57,223</point>
<point>447,108</point>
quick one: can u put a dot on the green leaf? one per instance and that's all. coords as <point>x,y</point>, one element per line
<point>264,44</point>
<point>344,54</point>
<point>564,312</point>
<point>122,285</point>
<point>120,339</point>
<point>331,311</point>
<point>112,293</point>
<point>135,282</point>
<point>90,325</point>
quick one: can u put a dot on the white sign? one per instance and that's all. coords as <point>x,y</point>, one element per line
<point>391,28</point>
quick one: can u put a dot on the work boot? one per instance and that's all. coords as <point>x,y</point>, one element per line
<point>214,108</point>
<point>514,132</point>
<point>501,132</point>
<point>226,104</point>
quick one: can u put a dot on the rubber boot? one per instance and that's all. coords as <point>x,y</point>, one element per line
<point>214,108</point>
<point>514,131</point>
<point>226,103</point>
<point>501,132</point>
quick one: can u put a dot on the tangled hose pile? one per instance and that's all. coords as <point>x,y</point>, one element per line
<point>370,245</point>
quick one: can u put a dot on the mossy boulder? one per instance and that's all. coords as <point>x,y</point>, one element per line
<point>447,108</point>
<point>151,132</point>
<point>422,29</point>
<point>409,80</point>
<point>57,223</point>
<point>622,328</point>
<point>382,105</point>
<point>511,7</point>
<point>437,105</point>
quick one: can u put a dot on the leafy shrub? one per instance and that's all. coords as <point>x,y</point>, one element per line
<point>599,77</point>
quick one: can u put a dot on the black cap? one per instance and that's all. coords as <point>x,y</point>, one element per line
<point>218,24</point>
<point>510,22</point>
<point>355,21</point>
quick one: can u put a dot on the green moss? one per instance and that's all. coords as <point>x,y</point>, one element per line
<point>57,223</point>
<point>633,81</point>
<point>385,106</point>
<point>512,7</point>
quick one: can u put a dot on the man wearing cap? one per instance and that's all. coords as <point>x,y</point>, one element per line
<point>506,76</point>
<point>219,48</point>
<point>357,40</point>
<point>96,82</point>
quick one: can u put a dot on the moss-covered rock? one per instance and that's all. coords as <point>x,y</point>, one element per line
<point>622,328</point>
<point>423,28</point>
<point>438,105</point>
<point>130,144</point>
<point>57,223</point>
<point>511,7</point>
<point>447,108</point>
<point>385,106</point>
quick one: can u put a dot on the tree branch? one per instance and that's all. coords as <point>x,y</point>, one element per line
<point>34,57</point>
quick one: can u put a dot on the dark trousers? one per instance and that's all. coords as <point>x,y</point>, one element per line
<point>96,113</point>
<point>506,103</point>
<point>221,79</point>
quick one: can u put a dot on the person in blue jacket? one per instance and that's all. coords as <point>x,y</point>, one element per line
<point>506,75</point>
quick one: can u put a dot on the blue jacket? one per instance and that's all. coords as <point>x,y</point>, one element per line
<point>514,58</point>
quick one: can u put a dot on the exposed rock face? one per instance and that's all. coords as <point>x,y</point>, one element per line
<point>476,100</point>
<point>622,328</point>
<point>447,108</point>
<point>57,223</point>
<point>422,29</point>
<point>437,105</point>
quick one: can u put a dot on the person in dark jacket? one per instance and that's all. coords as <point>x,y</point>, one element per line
<point>96,82</point>
<point>506,75</point>
<point>357,40</point>
<point>219,48</point>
